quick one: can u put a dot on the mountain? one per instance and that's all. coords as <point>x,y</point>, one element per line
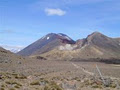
<point>13,49</point>
<point>101,41</point>
<point>9,57</point>
<point>95,46</point>
<point>101,45</point>
<point>46,43</point>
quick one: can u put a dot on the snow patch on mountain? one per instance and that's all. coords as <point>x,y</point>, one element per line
<point>48,38</point>
<point>67,37</point>
<point>60,34</point>
<point>64,36</point>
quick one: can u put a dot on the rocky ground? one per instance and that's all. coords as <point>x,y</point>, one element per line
<point>58,75</point>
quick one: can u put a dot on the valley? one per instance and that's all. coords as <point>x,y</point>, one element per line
<point>59,75</point>
<point>56,62</point>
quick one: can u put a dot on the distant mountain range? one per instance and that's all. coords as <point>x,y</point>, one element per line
<point>60,46</point>
<point>13,49</point>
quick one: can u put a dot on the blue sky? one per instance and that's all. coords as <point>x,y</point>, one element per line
<point>24,21</point>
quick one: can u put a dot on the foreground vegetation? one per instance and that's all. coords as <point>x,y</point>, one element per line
<point>16,81</point>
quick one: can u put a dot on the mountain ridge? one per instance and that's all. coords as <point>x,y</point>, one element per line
<point>94,46</point>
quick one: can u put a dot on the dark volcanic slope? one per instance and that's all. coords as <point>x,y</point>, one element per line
<point>46,44</point>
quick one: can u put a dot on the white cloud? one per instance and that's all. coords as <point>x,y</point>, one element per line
<point>51,12</point>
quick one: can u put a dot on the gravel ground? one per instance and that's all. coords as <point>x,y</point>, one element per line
<point>61,75</point>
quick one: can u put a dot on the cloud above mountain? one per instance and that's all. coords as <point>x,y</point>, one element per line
<point>52,11</point>
<point>61,7</point>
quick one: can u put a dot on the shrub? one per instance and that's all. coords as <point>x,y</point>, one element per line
<point>35,83</point>
<point>20,76</point>
<point>11,89</point>
<point>17,86</point>
<point>12,83</point>
<point>52,86</point>
<point>2,89</point>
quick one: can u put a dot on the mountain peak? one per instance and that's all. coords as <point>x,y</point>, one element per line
<point>51,34</point>
<point>60,36</point>
<point>47,43</point>
<point>63,36</point>
<point>96,33</point>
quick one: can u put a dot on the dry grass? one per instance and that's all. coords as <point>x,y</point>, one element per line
<point>43,75</point>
